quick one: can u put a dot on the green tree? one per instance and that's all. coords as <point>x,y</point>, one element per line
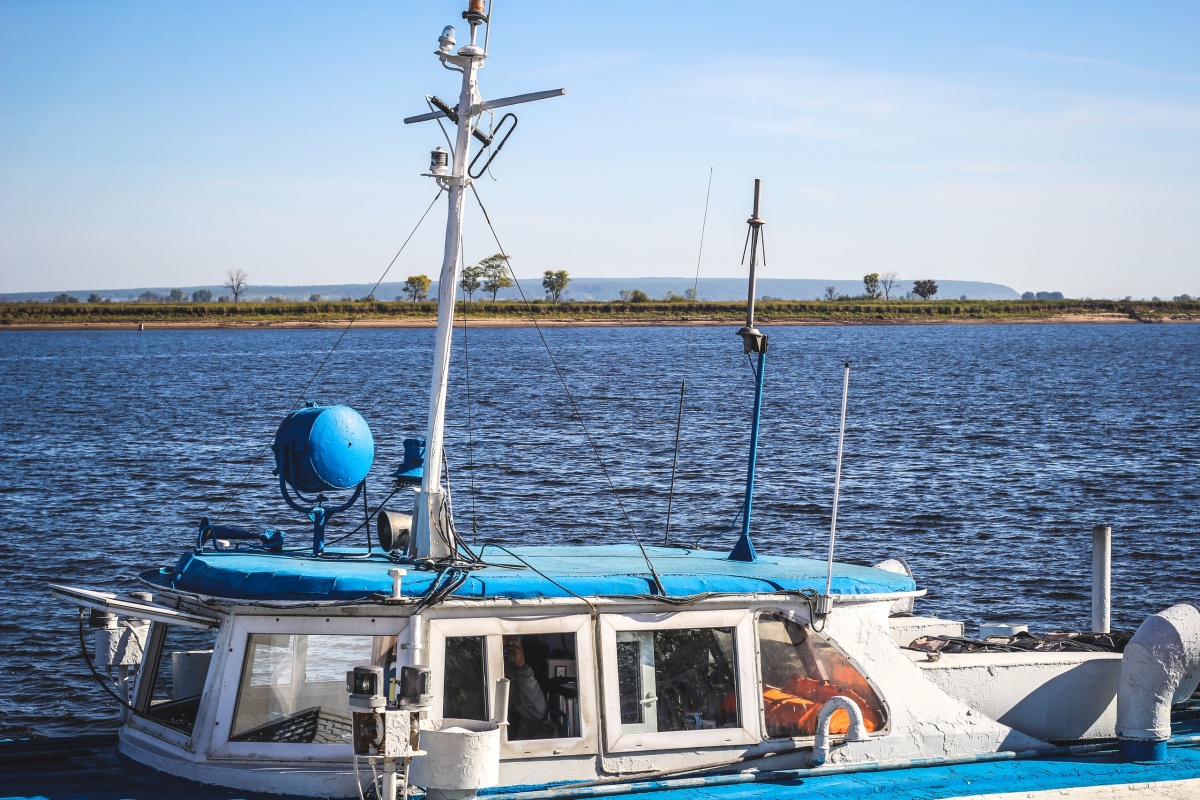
<point>314,298</point>
<point>831,293</point>
<point>690,294</point>
<point>94,298</point>
<point>555,282</point>
<point>871,284</point>
<point>177,296</point>
<point>634,296</point>
<point>65,298</point>
<point>495,274</point>
<point>202,296</point>
<point>472,279</point>
<point>925,289</point>
<point>417,287</point>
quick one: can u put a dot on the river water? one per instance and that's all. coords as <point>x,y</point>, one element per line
<point>982,454</point>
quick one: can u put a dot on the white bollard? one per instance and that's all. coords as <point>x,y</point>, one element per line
<point>1101,579</point>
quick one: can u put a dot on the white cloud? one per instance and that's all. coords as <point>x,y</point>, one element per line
<point>1087,61</point>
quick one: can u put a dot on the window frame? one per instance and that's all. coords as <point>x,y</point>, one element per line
<point>494,629</point>
<point>143,689</point>
<point>749,698</point>
<point>803,622</point>
<point>242,628</point>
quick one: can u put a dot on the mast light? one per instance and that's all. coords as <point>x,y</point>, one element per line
<point>447,40</point>
<point>439,162</point>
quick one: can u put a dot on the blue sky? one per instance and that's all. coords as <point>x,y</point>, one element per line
<point>1047,146</point>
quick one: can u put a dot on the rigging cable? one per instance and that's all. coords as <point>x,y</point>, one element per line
<point>370,298</point>
<point>470,427</point>
<point>571,398</point>
<point>687,347</point>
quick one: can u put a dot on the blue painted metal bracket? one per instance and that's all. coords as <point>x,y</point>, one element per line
<point>412,469</point>
<point>315,509</point>
<point>270,540</point>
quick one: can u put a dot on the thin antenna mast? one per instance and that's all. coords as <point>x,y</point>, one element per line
<point>753,341</point>
<point>825,603</point>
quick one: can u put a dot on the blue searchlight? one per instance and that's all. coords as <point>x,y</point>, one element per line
<point>321,449</point>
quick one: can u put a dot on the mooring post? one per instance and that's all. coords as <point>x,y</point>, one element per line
<point>1101,578</point>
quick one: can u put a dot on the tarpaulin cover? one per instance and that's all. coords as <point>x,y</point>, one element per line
<point>560,571</point>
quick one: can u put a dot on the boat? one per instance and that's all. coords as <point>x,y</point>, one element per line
<point>416,665</point>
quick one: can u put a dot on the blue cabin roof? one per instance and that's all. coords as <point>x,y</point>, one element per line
<point>553,571</point>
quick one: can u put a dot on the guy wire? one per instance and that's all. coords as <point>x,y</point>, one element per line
<point>370,298</point>
<point>571,398</point>
<point>470,428</point>
<point>687,348</point>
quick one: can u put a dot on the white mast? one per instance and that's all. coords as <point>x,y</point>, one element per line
<point>432,534</point>
<point>432,537</point>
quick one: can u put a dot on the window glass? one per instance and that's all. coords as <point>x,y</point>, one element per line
<point>179,676</point>
<point>293,686</point>
<point>464,687</point>
<point>543,699</point>
<point>675,680</point>
<point>800,671</point>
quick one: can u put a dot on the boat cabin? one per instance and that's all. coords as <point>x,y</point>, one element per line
<point>245,658</point>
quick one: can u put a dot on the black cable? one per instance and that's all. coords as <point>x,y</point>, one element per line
<point>687,350</point>
<point>304,393</point>
<point>470,427</point>
<point>367,521</point>
<point>99,678</point>
<point>542,574</point>
<point>570,398</point>
<point>367,517</point>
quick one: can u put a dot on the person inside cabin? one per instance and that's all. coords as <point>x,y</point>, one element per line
<point>527,697</point>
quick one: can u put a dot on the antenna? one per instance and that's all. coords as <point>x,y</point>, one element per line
<point>753,341</point>
<point>825,603</point>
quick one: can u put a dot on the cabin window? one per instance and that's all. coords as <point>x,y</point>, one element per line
<point>465,689</point>
<point>543,689</point>
<point>800,671</point>
<point>181,657</point>
<point>293,686</point>
<point>543,684</point>
<point>677,680</point>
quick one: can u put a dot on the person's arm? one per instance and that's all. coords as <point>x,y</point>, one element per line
<point>528,699</point>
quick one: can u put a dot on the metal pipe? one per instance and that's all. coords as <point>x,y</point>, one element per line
<point>837,487</point>
<point>753,341</point>
<point>1101,579</point>
<point>430,537</point>
<point>388,787</point>
<point>500,709</point>
<point>744,550</point>
<point>755,225</point>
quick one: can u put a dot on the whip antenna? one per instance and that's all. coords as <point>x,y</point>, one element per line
<point>825,602</point>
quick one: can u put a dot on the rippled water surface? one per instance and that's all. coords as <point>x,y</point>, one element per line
<point>982,454</point>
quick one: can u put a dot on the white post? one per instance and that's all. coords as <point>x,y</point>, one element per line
<point>432,538</point>
<point>1101,578</point>
<point>825,602</point>
<point>388,790</point>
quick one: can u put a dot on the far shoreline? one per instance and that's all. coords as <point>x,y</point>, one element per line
<point>431,322</point>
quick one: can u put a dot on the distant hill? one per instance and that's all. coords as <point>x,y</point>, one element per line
<point>596,289</point>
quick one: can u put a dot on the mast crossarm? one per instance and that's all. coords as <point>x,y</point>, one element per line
<point>488,105</point>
